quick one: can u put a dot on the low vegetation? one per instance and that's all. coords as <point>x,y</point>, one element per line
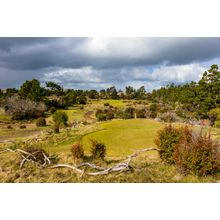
<point>166,140</point>
<point>77,151</point>
<point>192,152</point>
<point>59,118</point>
<point>98,149</point>
<point>41,122</point>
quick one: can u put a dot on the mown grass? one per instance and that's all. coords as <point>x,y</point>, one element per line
<point>123,137</point>
<point>113,102</point>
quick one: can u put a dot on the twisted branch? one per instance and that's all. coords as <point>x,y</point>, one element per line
<point>120,167</point>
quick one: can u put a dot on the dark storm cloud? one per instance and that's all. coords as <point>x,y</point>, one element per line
<point>36,53</point>
<point>102,60</point>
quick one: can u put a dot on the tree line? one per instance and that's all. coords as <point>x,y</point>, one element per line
<point>199,99</point>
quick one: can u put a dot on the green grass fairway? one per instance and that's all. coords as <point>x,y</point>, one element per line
<point>123,137</point>
<point>113,102</point>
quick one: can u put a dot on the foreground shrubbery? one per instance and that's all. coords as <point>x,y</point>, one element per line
<point>166,140</point>
<point>197,154</point>
<point>191,152</point>
<point>77,151</point>
<point>98,149</point>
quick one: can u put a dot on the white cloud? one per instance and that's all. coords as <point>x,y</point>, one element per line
<point>87,77</point>
<point>84,74</point>
<point>178,73</point>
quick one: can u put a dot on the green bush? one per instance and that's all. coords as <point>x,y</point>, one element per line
<point>98,149</point>
<point>197,154</point>
<point>153,107</point>
<point>77,151</point>
<point>59,118</point>
<point>128,113</point>
<point>214,117</point>
<point>119,113</point>
<point>40,122</point>
<point>106,114</point>
<point>166,140</point>
<point>101,117</point>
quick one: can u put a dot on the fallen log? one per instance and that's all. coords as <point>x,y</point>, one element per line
<point>45,162</point>
<point>120,167</point>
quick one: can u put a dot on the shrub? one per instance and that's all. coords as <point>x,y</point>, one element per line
<point>181,112</point>
<point>101,117</point>
<point>214,117</point>
<point>197,154</point>
<point>22,126</point>
<point>166,140</point>
<point>59,118</point>
<point>153,114</point>
<point>140,113</point>
<point>9,127</point>
<point>23,109</point>
<point>53,110</point>
<point>119,113</point>
<point>41,122</point>
<point>110,115</point>
<point>98,111</point>
<point>168,117</point>
<point>98,149</point>
<point>129,113</point>
<point>153,107</point>
<point>77,151</point>
<point>106,104</point>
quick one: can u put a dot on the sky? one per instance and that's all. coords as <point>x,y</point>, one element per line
<point>97,63</point>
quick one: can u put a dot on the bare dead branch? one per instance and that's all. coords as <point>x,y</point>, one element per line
<point>91,166</point>
<point>68,166</point>
<point>120,167</point>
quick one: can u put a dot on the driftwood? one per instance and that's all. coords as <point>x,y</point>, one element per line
<point>45,162</point>
<point>120,167</point>
<point>31,157</point>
